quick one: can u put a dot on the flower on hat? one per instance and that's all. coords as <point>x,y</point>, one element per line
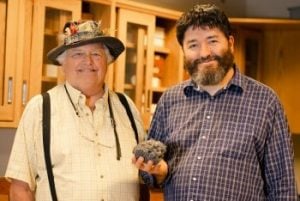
<point>72,29</point>
<point>80,31</point>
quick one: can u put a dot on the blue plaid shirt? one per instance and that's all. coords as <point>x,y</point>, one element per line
<point>233,146</point>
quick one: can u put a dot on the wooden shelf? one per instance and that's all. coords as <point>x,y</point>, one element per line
<point>162,50</point>
<point>130,45</point>
<point>159,89</point>
<point>129,86</point>
<point>270,23</point>
<point>49,79</point>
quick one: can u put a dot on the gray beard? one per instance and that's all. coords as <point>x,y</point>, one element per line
<point>210,76</point>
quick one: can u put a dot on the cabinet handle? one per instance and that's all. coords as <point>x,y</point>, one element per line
<point>10,90</point>
<point>148,101</point>
<point>24,92</point>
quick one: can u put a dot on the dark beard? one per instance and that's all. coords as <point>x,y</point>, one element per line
<point>210,76</point>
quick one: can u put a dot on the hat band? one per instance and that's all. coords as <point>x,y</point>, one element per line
<point>80,36</point>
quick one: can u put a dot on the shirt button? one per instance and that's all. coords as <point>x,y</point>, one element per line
<point>96,134</point>
<point>191,200</point>
<point>207,117</point>
<point>194,179</point>
<point>203,137</point>
<point>99,154</point>
<point>101,176</point>
<point>199,157</point>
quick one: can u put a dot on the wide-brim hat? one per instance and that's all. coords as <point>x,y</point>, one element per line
<point>82,33</point>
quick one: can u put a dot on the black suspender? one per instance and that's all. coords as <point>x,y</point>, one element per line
<point>46,143</point>
<point>129,114</point>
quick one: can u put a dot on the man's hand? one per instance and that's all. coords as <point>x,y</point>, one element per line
<point>20,191</point>
<point>160,170</point>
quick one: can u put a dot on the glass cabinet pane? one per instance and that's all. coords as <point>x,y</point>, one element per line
<point>134,69</point>
<point>49,18</point>
<point>54,23</point>
<point>136,52</point>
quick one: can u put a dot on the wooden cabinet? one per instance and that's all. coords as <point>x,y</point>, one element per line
<point>268,50</point>
<point>49,18</point>
<point>152,60</point>
<point>248,53</point>
<point>281,70</point>
<point>13,88</point>
<point>8,27</point>
<point>28,30</point>
<point>134,68</point>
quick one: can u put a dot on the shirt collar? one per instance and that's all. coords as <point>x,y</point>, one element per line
<point>236,84</point>
<point>79,98</point>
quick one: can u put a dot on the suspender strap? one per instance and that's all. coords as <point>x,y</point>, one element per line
<point>129,113</point>
<point>113,122</point>
<point>46,143</point>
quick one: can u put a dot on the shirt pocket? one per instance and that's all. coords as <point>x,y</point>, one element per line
<point>236,149</point>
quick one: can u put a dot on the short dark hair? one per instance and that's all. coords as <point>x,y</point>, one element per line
<point>203,15</point>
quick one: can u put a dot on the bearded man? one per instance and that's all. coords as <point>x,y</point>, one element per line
<point>226,134</point>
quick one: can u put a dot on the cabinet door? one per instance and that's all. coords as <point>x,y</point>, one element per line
<point>49,18</point>
<point>8,60</point>
<point>134,67</point>
<point>248,51</point>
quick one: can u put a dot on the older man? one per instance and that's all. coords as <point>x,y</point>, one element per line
<point>90,157</point>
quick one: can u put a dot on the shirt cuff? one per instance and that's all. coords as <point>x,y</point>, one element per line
<point>150,180</point>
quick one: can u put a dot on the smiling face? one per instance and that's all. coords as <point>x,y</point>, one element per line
<point>85,68</point>
<point>208,55</point>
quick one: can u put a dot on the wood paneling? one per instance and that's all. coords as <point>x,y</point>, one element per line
<point>281,70</point>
